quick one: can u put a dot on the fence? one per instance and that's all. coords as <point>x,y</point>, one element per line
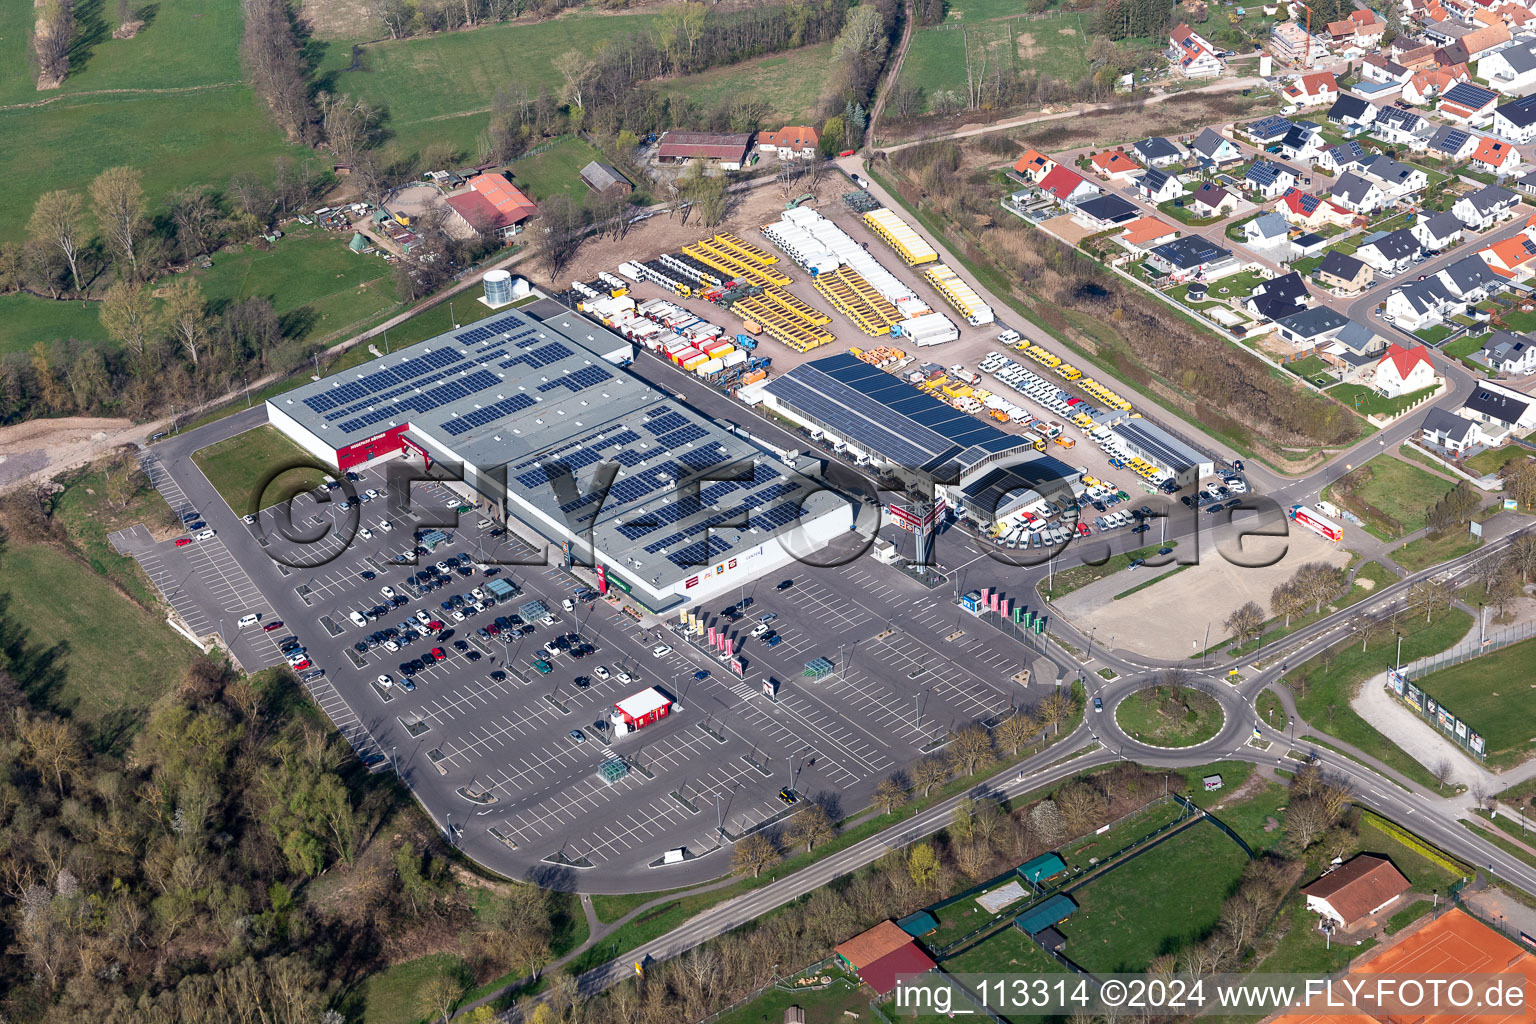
<point>1469,650</point>
<point>778,983</point>
<point>1192,809</point>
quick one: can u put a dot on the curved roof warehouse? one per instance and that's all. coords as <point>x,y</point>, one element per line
<point>531,406</point>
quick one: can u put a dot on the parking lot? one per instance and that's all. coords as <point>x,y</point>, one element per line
<point>486,738</point>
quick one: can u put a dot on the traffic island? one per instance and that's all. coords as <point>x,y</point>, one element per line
<point>480,797</point>
<point>1168,715</point>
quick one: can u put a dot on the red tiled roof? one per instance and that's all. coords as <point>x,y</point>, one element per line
<point>1404,359</point>
<point>882,974</point>
<point>704,145</point>
<point>1366,881</point>
<point>508,200</point>
<point>1114,161</point>
<point>1492,152</point>
<point>867,947</point>
<point>1032,160</point>
<point>1145,229</point>
<point>477,210</point>
<point>792,137</point>
<point>1061,182</point>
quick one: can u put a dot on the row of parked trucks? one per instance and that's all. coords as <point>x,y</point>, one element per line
<point>688,341</point>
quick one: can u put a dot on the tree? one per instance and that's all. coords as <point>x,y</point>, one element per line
<point>556,234</point>
<point>931,771</point>
<point>810,826</point>
<point>1431,594</point>
<point>889,795</point>
<point>131,317</point>
<point>1056,709</point>
<point>1015,731</point>
<point>1519,477</point>
<point>1045,818</point>
<point>196,221</point>
<point>52,38</point>
<point>923,865</point>
<point>186,313</point>
<point>440,995</point>
<point>117,199</point>
<point>576,67</point>
<point>58,220</point>
<point>754,853</point>
<point>1455,509</point>
<point>971,749</point>
<point>122,481</point>
<point>1244,623</point>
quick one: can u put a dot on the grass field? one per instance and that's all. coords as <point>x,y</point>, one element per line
<point>789,83</point>
<point>828,1004</point>
<point>1492,694</point>
<point>1432,550</point>
<point>1010,951</point>
<point>91,653</point>
<point>556,170</point>
<point>389,997</point>
<point>1369,578</point>
<point>439,88</point>
<point>1324,685</point>
<point>88,519</point>
<point>28,319</point>
<point>1054,45</point>
<point>1369,402</point>
<point>1493,459</point>
<point>1080,853</point>
<point>1159,902</point>
<point>240,465</point>
<point>1403,491</point>
<point>1153,715</point>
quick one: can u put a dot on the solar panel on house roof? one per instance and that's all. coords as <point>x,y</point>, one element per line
<point>1465,94</point>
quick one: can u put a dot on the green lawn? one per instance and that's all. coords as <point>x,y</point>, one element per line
<point>88,519</point>
<point>1310,366</point>
<point>1370,402</point>
<point>239,466</point>
<point>556,170</point>
<point>1520,322</point>
<point>1159,902</point>
<point>1303,949</point>
<point>1375,576</point>
<point>1493,459</point>
<point>827,1004</point>
<point>27,319</point>
<point>439,88</point>
<point>1409,914</point>
<point>1492,694</point>
<point>1183,214</point>
<point>1463,348</point>
<point>1009,951</point>
<point>1054,45</point>
<point>1153,715</point>
<point>1403,491</point>
<point>1434,335</point>
<point>1323,685</point>
<point>1433,549</point>
<point>791,84</point>
<point>390,996</point>
<point>1079,576</point>
<point>92,653</point>
<point>1080,854</point>
<point>1424,873</point>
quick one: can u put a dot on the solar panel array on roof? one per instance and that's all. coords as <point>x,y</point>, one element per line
<point>882,414</point>
<point>1473,97</point>
<point>1165,450</point>
<point>1454,140</point>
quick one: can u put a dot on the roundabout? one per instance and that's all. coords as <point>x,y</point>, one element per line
<point>1170,716</point>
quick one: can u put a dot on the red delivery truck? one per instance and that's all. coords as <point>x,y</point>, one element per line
<point>1317,522</point>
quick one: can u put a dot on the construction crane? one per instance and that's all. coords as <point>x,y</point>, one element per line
<point>1306,54</point>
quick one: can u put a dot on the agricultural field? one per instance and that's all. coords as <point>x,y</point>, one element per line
<point>790,84</point>
<point>1054,45</point>
<point>556,170</point>
<point>439,88</point>
<point>1492,695</point>
<point>169,101</point>
<point>1159,902</point>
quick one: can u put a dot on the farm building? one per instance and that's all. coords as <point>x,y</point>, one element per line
<point>729,151</point>
<point>492,205</point>
<point>791,143</point>
<point>600,177</point>
<point>1045,915</point>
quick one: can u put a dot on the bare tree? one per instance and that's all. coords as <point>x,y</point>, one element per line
<point>117,197</point>
<point>754,853</point>
<point>58,220</point>
<point>52,37</point>
<point>1245,622</point>
<point>931,771</point>
<point>188,316</point>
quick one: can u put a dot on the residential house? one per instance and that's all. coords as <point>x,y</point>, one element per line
<point>1399,179</point>
<point>1313,212</point>
<point>1391,253</point>
<point>1499,412</point>
<point>1266,229</point>
<point>1115,165</point>
<point>1413,54</point>
<point>1067,186</point>
<point>1444,429</point>
<point>729,151</point>
<point>1192,55</point>
<point>1303,143</point>
<point>1311,327</point>
<point>1402,128</point>
<point>1403,371</point>
<point>1362,887</point>
<point>1515,121</point>
<point>1147,233</point>
<point>1487,206</point>
<point>1437,230</point>
<point>1361,32</point>
<point>1192,258</point>
<point>1471,280</point>
<point>1033,166</point>
<point>1507,352</point>
<point>1267,130</point>
<point>1513,258</point>
<point>1494,156</point>
<point>1158,152</point>
<point>1270,179</point>
<point>1159,186</point>
<point>1291,43</point>
<point>1278,298</point>
<point>1431,82</point>
<point>1342,157</point>
<point>1452,144</point>
<point>1215,149</point>
<point>1512,70</point>
<point>1344,274</point>
<point>1351,111</point>
<point>1100,213</point>
<point>1360,194</point>
<point>797,142</point>
<point>1527,183</point>
<point>1353,350</point>
<point>601,177</point>
<point>1380,68</point>
<point>1211,201</point>
<point>1480,42</point>
<point>1308,244</point>
<point>1420,304</point>
<point>1469,103</point>
<point>1309,90</point>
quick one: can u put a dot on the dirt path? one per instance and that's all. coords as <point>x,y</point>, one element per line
<point>120,92</point>
<point>39,449</point>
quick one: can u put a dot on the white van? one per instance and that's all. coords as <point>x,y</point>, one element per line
<point>357,618</point>
<point>246,621</point>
